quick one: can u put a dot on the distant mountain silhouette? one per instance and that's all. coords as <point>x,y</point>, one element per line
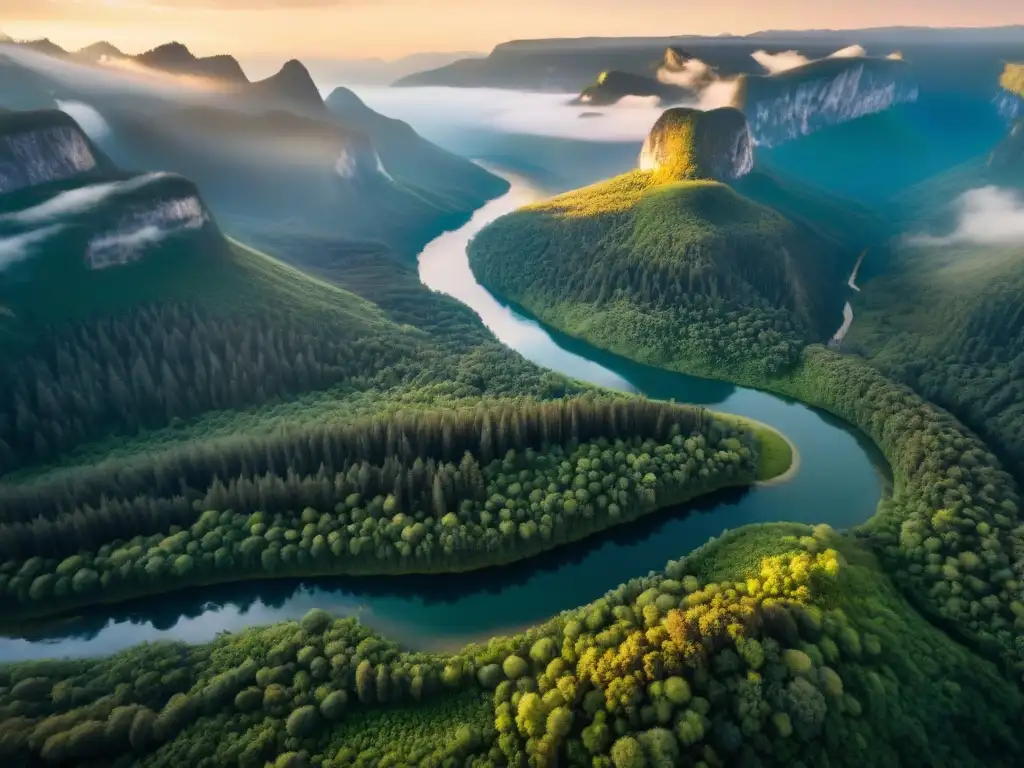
<point>44,45</point>
<point>179,60</point>
<point>97,51</point>
<point>291,87</point>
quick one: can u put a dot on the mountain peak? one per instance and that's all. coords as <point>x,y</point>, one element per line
<point>294,67</point>
<point>173,49</point>
<point>293,86</point>
<point>97,51</point>
<point>45,45</point>
<point>691,144</point>
<point>675,58</point>
<point>345,98</point>
<point>177,59</point>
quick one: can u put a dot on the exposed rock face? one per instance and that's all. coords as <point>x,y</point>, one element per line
<point>1009,105</point>
<point>110,220</point>
<point>41,149</point>
<point>358,159</point>
<point>691,144</point>
<point>144,226</point>
<point>827,92</point>
<point>1010,99</point>
<point>675,58</point>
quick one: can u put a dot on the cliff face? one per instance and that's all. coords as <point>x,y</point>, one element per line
<point>160,213</point>
<point>691,144</point>
<point>40,147</point>
<point>108,221</point>
<point>1010,99</point>
<point>358,160</point>
<point>828,92</point>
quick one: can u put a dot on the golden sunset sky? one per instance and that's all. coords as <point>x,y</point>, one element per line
<point>393,28</point>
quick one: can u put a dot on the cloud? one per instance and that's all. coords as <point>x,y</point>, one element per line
<point>693,74</point>
<point>985,216</point>
<point>773,63</point>
<point>849,52</point>
<point>436,110</point>
<point>87,117</point>
<point>20,247</point>
<point>711,89</point>
<point>77,201</point>
<point>121,75</point>
<point>779,62</point>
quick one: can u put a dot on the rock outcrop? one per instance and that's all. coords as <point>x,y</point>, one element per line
<point>40,147</point>
<point>691,144</point>
<point>1010,99</point>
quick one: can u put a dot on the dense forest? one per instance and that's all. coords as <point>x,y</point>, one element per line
<point>776,645</point>
<point>211,414</point>
<point>686,275</point>
<point>956,335</point>
<point>950,533</point>
<point>422,492</point>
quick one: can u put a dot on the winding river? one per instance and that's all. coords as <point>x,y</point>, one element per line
<point>840,480</point>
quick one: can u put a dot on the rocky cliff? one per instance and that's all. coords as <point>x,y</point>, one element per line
<point>803,100</point>
<point>690,144</point>
<point>40,147</point>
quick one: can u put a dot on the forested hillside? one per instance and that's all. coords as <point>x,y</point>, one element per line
<point>949,321</point>
<point>426,492</point>
<point>671,268</point>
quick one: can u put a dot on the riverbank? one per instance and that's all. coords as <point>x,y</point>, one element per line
<point>779,461</point>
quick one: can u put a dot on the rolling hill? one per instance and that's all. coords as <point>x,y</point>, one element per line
<point>669,264</point>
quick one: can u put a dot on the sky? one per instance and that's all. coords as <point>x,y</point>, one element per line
<point>394,28</point>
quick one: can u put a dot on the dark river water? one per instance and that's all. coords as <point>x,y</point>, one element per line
<point>840,480</point>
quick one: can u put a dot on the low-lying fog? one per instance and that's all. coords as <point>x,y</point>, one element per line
<point>438,110</point>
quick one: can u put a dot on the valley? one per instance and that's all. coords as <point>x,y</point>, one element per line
<point>493,437</point>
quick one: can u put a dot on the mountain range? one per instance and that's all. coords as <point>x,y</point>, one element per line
<point>570,65</point>
<point>269,155</point>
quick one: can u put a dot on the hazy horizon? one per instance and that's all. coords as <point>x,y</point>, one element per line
<point>392,29</point>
